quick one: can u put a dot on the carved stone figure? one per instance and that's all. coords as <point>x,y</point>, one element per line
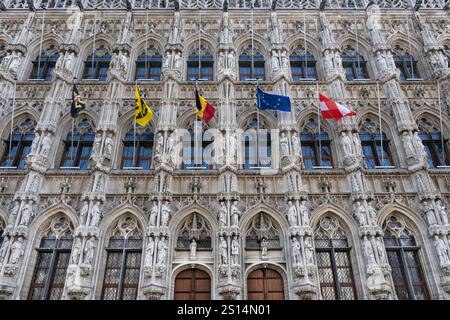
<point>292,215</point>
<point>76,251</point>
<point>165,213</point>
<point>84,212</point>
<point>231,61</point>
<point>149,252</point>
<point>381,250</point>
<point>109,146</point>
<point>296,251</point>
<point>284,60</point>
<point>371,215</point>
<point>418,145</point>
<point>223,250</point>
<point>235,251</point>
<point>16,251</point>
<point>170,143</point>
<point>221,62</point>
<point>368,252</point>
<point>275,35</point>
<point>304,213</point>
<point>88,253</point>
<point>4,248</point>
<point>357,182</point>
<point>357,144</point>
<point>442,251</point>
<point>16,60</point>
<point>235,214</point>
<point>408,144</point>
<point>284,145</point>
<point>429,213</point>
<point>308,251</point>
<point>223,213</point>
<point>27,213</point>
<point>159,144</point>
<point>440,210</point>
<point>361,214</point>
<point>167,60</point>
<point>162,252</point>
<point>346,144</point>
<point>154,214</point>
<point>13,213</point>
<point>177,63</point>
<point>96,214</point>
<point>264,244</point>
<point>232,144</point>
<point>193,249</point>
<point>275,62</point>
<point>295,144</point>
<point>46,144</point>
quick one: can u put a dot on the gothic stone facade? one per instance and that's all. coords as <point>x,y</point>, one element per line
<point>355,225</point>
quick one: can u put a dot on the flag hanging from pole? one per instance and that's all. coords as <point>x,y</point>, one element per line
<point>332,110</point>
<point>266,101</point>
<point>142,112</point>
<point>77,103</point>
<point>204,108</point>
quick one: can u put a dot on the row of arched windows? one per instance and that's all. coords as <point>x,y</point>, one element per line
<point>332,250</point>
<point>200,64</point>
<point>138,145</point>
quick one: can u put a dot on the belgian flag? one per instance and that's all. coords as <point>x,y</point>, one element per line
<point>204,109</point>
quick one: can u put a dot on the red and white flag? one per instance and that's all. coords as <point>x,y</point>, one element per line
<point>332,110</point>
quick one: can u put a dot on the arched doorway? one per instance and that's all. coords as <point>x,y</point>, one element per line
<point>265,284</point>
<point>192,284</point>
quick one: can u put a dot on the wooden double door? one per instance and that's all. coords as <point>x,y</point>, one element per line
<point>192,284</point>
<point>265,284</point>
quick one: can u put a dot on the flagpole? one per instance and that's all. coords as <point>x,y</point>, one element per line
<point>73,124</point>
<point>93,44</point>
<point>40,45</point>
<point>134,133</point>
<point>12,121</point>
<point>379,120</point>
<point>318,120</point>
<point>146,41</point>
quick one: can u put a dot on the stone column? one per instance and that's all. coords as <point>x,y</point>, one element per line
<point>378,278</point>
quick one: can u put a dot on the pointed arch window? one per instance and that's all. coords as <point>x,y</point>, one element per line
<point>406,63</point>
<point>148,64</point>
<point>123,261</point>
<point>246,71</point>
<point>96,65</point>
<point>200,64</point>
<point>354,64</point>
<point>315,154</point>
<point>138,148</point>
<point>18,146</point>
<point>78,145</point>
<point>263,229</point>
<point>194,227</point>
<point>196,148</point>
<point>334,261</point>
<point>257,145</point>
<point>303,65</point>
<point>374,155</point>
<point>438,153</point>
<point>45,63</point>
<point>53,259</point>
<point>403,256</point>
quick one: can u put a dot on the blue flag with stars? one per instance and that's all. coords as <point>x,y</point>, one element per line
<point>266,101</point>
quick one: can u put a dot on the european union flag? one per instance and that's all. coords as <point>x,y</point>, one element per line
<point>266,101</point>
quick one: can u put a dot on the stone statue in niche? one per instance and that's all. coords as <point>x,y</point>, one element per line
<point>149,252</point>
<point>223,213</point>
<point>4,248</point>
<point>284,145</point>
<point>292,215</point>
<point>17,251</point>
<point>308,251</point>
<point>27,213</point>
<point>440,210</point>
<point>442,251</point>
<point>368,252</point>
<point>361,214</point>
<point>96,214</point>
<point>165,213</point>
<point>76,251</point>
<point>346,144</point>
<point>193,249</point>
<point>295,144</point>
<point>428,211</point>
<point>235,214</point>
<point>235,251</point>
<point>88,252</point>
<point>154,214</point>
<point>304,213</point>
<point>223,250</point>
<point>264,248</point>
<point>296,251</point>
<point>162,252</point>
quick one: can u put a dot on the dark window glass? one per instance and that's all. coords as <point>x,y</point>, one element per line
<point>17,149</point>
<point>403,257</point>
<point>406,63</point>
<point>303,65</point>
<point>200,67</point>
<point>257,146</point>
<point>96,66</point>
<point>370,137</point>
<point>78,146</point>
<point>138,149</point>
<point>334,267</point>
<point>316,150</point>
<point>249,69</point>
<point>44,64</point>
<point>51,267</point>
<point>123,264</point>
<point>148,65</point>
<point>194,149</point>
<point>438,155</point>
